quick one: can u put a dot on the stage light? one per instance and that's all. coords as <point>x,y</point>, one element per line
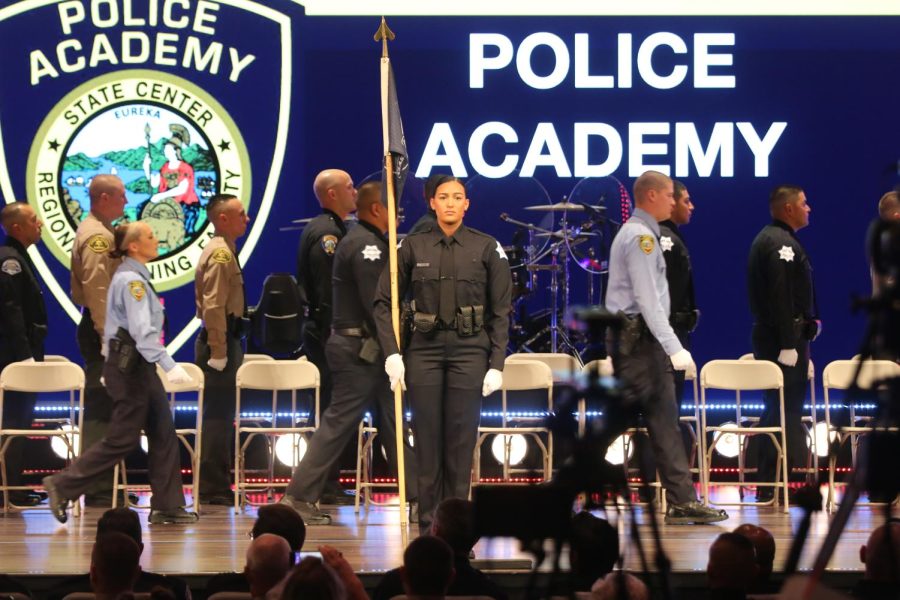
<point>290,448</point>
<point>517,448</point>
<point>615,454</point>
<point>59,446</point>
<point>823,437</point>
<point>730,443</point>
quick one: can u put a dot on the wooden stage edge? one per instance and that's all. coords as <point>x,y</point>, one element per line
<point>33,544</point>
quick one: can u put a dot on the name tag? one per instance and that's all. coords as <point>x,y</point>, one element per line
<point>423,264</point>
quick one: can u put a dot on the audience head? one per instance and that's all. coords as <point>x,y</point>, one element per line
<point>334,190</point>
<point>593,546</point>
<point>655,194</point>
<point>878,551</point>
<point>454,522</point>
<point>107,193</point>
<point>269,558</point>
<point>114,564</point>
<point>121,520</point>
<point>312,579</point>
<point>732,563</point>
<point>608,587</point>
<point>427,569</point>
<point>21,223</point>
<point>787,203</point>
<point>280,520</point>
<point>889,206</point>
<point>764,546</point>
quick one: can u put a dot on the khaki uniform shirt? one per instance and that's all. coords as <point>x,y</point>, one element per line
<point>219,292</point>
<point>93,268</point>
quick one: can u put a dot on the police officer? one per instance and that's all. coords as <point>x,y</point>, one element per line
<point>23,327</point>
<point>461,288</point>
<point>336,195</point>
<point>134,321</point>
<point>221,304</point>
<point>684,314</point>
<point>355,358</point>
<point>785,320</point>
<point>649,350</point>
<point>92,270</point>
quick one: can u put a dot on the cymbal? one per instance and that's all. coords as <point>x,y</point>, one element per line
<point>562,206</point>
<point>350,218</point>
<point>562,233</point>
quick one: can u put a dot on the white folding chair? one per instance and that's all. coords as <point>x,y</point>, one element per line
<point>195,386</point>
<point>737,376</point>
<point>692,422</point>
<point>256,357</point>
<point>42,377</point>
<point>839,375</point>
<point>366,435</point>
<point>520,375</point>
<point>273,375</point>
<point>565,368</point>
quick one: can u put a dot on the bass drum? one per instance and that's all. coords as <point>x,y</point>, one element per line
<point>518,267</point>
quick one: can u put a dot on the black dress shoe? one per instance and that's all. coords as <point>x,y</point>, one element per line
<point>176,516</point>
<point>218,499</point>
<point>342,498</point>
<point>56,502</point>
<point>25,498</point>
<point>693,513</point>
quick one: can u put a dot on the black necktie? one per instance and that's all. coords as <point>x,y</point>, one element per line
<point>447,309</point>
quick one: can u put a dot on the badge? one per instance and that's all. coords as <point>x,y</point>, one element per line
<point>501,253</point>
<point>137,290</point>
<point>646,243</point>
<point>11,266</point>
<point>786,254</point>
<point>329,243</point>
<point>221,256</point>
<point>372,253</point>
<point>98,243</point>
<point>665,242</point>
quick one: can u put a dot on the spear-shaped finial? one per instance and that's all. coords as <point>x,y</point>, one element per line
<point>384,35</point>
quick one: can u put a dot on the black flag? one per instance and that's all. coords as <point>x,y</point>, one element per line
<point>395,142</point>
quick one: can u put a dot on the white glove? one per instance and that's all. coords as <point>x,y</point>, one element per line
<point>818,329</point>
<point>217,363</point>
<point>393,366</point>
<point>104,351</point>
<point>103,381</point>
<point>788,357</point>
<point>681,360</point>
<point>30,359</point>
<point>178,375</point>
<point>493,381</point>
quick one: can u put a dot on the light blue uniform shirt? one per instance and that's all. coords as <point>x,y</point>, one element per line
<point>133,305</point>
<point>637,278</point>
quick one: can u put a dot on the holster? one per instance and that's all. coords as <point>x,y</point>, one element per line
<point>469,320</point>
<point>406,324</point>
<point>685,321</point>
<point>633,329</point>
<point>424,322</point>
<point>125,350</point>
<point>238,327</point>
<point>369,350</point>
<point>806,329</point>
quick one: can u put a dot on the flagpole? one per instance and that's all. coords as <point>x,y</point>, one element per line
<point>384,34</point>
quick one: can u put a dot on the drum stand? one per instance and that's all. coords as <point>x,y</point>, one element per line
<point>559,338</point>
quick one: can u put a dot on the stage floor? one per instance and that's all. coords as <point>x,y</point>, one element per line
<point>33,543</point>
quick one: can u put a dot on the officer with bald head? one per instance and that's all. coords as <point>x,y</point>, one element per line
<point>92,270</point>
<point>336,195</point>
<point>649,350</point>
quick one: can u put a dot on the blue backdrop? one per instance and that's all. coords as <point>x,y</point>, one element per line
<point>831,80</point>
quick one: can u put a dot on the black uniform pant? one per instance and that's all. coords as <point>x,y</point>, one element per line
<point>315,337</point>
<point>647,380</point>
<point>444,376</point>
<point>98,404</point>
<point>766,347</point>
<point>357,386</point>
<point>219,399</point>
<point>139,402</point>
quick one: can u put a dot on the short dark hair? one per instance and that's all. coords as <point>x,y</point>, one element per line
<point>312,579</point>
<point>281,519</point>
<point>454,519</point>
<point>594,545</point>
<point>216,204</point>
<point>428,565</point>
<point>680,189</point>
<point>115,559</point>
<point>120,520</point>
<point>783,194</point>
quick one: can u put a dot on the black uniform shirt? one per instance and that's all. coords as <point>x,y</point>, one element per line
<point>358,263</point>
<point>779,282</point>
<point>315,256</point>
<point>425,223</point>
<point>23,315</point>
<point>679,275</point>
<point>482,278</point>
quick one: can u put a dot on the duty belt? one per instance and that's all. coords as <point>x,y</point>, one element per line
<point>349,332</point>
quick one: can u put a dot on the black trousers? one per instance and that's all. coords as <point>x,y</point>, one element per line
<point>357,386</point>
<point>219,399</point>
<point>766,347</point>
<point>647,380</point>
<point>139,402</point>
<point>98,405</point>
<point>444,376</point>
<point>315,337</point>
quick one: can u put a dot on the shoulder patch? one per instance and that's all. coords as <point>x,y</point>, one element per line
<point>98,243</point>
<point>137,290</point>
<point>371,252</point>
<point>646,243</point>
<point>329,243</point>
<point>11,266</point>
<point>666,243</point>
<point>786,253</point>
<point>501,253</point>
<point>221,256</point>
